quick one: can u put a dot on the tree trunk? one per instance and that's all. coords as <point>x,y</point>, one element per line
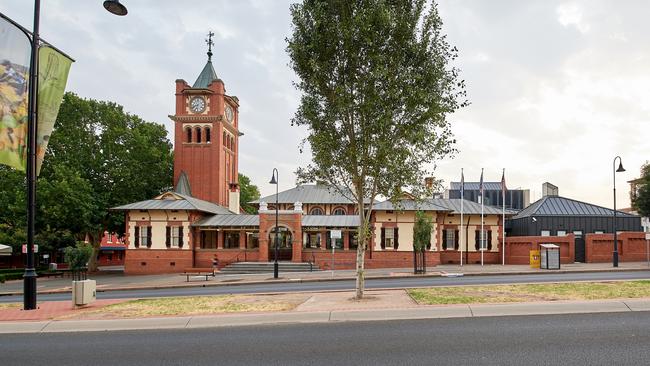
<point>361,251</point>
<point>92,262</point>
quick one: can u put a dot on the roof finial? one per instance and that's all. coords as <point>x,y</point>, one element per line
<point>210,43</point>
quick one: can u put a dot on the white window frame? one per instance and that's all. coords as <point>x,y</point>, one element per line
<point>144,236</point>
<point>450,236</point>
<point>109,238</point>
<point>483,240</point>
<point>175,236</point>
<point>561,233</point>
<point>390,239</point>
<point>545,233</point>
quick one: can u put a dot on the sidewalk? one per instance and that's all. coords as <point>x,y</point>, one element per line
<point>113,281</point>
<point>328,316</point>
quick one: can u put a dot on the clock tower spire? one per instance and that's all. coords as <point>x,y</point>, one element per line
<point>206,138</point>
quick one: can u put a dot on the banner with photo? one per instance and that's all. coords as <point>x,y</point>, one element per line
<point>15,49</point>
<point>53,69</point>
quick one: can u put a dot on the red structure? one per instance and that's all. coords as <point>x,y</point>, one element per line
<point>112,250</point>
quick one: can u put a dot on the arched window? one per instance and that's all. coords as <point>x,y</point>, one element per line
<point>224,138</point>
<point>207,135</point>
<point>188,134</point>
<point>228,142</point>
<point>338,211</point>
<point>232,143</point>
<point>316,211</point>
<point>197,132</point>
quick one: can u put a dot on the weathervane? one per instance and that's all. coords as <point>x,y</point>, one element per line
<point>210,43</point>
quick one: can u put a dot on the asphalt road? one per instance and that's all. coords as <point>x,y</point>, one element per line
<point>398,282</point>
<point>585,339</point>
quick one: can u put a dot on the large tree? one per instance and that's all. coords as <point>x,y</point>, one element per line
<point>248,193</point>
<point>377,87</point>
<point>642,200</point>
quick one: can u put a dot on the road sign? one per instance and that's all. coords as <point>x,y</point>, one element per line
<point>335,234</point>
<point>647,236</point>
<point>25,248</point>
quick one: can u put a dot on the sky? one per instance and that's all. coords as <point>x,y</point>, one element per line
<point>557,88</point>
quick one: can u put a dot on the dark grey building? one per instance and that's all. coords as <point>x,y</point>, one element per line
<point>558,216</point>
<point>516,199</point>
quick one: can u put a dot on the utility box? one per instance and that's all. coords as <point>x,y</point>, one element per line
<point>534,259</point>
<point>53,267</point>
<point>549,256</point>
<point>84,292</point>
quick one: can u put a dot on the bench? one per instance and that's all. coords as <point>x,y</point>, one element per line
<point>207,272</point>
<point>51,274</point>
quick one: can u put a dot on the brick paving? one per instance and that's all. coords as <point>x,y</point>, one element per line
<point>48,310</point>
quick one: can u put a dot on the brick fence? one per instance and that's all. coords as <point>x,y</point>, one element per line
<point>631,247</point>
<point>518,247</point>
<point>347,259</point>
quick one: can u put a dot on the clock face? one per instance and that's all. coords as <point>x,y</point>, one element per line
<point>197,105</point>
<point>229,113</point>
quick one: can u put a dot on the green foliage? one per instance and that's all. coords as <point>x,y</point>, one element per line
<point>78,256</point>
<point>248,192</point>
<point>377,87</point>
<point>2,278</point>
<point>642,201</point>
<point>421,231</point>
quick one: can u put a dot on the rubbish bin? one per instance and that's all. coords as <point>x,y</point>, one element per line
<point>53,267</point>
<point>549,256</point>
<point>534,259</point>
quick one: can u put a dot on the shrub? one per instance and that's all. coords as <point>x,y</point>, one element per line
<point>77,257</point>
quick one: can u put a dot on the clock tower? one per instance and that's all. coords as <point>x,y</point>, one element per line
<point>206,138</point>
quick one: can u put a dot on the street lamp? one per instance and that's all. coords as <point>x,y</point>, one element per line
<point>619,170</point>
<point>29,277</point>
<point>274,180</point>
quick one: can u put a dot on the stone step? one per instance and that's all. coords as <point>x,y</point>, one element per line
<point>266,267</point>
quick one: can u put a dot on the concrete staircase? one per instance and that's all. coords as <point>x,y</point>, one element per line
<point>266,267</point>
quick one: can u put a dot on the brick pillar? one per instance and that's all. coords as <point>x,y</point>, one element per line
<point>242,239</point>
<point>220,239</point>
<point>323,240</point>
<point>440,220</point>
<point>346,240</point>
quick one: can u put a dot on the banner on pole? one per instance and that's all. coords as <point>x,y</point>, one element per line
<point>15,48</point>
<point>53,72</point>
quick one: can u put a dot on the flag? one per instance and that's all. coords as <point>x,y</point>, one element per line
<point>52,77</point>
<point>462,183</point>
<point>15,55</point>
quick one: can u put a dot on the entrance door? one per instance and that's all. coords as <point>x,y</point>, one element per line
<point>285,251</point>
<point>580,247</point>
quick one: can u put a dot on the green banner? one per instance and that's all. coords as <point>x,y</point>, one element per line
<point>15,50</point>
<point>53,69</point>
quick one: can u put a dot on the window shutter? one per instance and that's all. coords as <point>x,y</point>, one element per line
<point>383,238</point>
<point>180,237</point>
<point>136,242</point>
<point>168,241</point>
<point>477,239</point>
<point>396,239</point>
<point>148,236</point>
<point>456,240</point>
<point>444,239</point>
<point>489,240</point>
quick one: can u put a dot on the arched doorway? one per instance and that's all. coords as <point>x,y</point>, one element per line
<point>284,244</point>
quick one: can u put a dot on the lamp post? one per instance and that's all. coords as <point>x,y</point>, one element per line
<point>29,277</point>
<point>619,170</point>
<point>274,180</point>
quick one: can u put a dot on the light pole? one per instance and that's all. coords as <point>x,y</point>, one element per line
<point>274,180</point>
<point>29,277</point>
<point>619,170</point>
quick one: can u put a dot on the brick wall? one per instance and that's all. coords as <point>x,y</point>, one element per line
<point>631,247</point>
<point>453,257</point>
<point>384,259</point>
<point>518,247</point>
<point>154,261</point>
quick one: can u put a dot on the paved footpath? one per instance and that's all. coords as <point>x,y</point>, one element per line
<point>117,281</point>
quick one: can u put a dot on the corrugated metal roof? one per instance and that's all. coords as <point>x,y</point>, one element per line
<point>308,193</point>
<point>442,204</point>
<point>207,76</point>
<point>561,206</point>
<point>228,220</point>
<point>331,220</point>
<point>474,186</point>
<point>184,203</point>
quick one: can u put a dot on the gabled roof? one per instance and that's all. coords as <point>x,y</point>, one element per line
<point>183,185</point>
<point>452,206</point>
<point>207,76</point>
<point>561,206</point>
<point>474,186</point>
<point>228,220</point>
<point>308,193</point>
<point>176,201</point>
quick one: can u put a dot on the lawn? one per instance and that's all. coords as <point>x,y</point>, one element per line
<point>531,292</point>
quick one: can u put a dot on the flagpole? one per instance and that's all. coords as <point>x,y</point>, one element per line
<point>482,230</point>
<point>462,198</point>
<point>503,218</point>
